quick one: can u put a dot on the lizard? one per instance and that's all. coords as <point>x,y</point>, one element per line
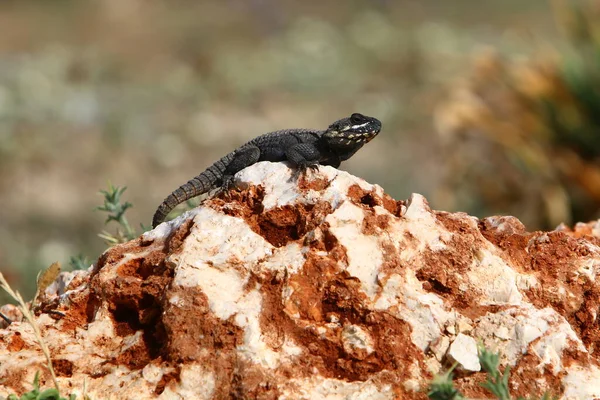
<point>302,148</point>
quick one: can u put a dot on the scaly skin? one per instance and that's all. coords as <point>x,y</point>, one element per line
<point>303,148</point>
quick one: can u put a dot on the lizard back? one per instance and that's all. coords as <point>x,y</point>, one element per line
<point>303,148</point>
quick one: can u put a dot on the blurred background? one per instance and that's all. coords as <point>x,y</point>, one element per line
<point>488,107</point>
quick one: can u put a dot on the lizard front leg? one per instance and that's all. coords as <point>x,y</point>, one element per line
<point>303,156</point>
<point>243,158</point>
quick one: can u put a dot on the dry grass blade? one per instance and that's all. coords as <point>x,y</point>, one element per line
<point>44,279</point>
<point>36,330</point>
<point>84,394</point>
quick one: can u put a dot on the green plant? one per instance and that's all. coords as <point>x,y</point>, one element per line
<point>79,262</point>
<point>36,394</point>
<point>442,387</point>
<point>496,383</point>
<point>116,212</point>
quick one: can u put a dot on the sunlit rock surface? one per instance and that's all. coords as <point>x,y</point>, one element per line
<point>319,287</point>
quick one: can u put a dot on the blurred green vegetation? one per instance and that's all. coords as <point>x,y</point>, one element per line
<point>523,133</point>
<point>146,94</point>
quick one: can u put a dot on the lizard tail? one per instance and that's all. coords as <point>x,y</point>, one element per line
<point>194,187</point>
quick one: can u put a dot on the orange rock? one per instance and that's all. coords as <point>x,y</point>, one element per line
<point>288,290</point>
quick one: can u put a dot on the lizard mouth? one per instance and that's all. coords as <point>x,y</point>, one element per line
<point>370,136</point>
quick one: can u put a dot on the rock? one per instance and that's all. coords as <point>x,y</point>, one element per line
<point>439,347</point>
<point>319,287</point>
<point>463,350</point>
<point>10,312</point>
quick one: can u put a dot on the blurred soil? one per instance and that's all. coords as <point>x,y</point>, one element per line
<point>146,94</point>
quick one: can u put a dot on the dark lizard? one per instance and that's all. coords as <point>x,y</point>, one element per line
<point>303,148</point>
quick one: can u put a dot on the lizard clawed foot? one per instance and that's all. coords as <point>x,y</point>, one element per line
<point>226,186</point>
<point>302,169</point>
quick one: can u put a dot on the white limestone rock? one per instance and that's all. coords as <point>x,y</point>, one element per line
<point>322,287</point>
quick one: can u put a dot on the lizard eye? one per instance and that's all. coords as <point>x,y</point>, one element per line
<point>357,118</point>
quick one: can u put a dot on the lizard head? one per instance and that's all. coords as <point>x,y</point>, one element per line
<point>351,131</point>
